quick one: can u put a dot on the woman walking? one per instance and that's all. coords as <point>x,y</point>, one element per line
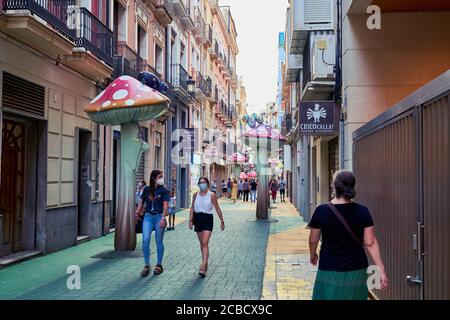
<point>246,190</point>
<point>201,216</point>
<point>224,188</point>
<point>273,189</point>
<point>234,190</point>
<point>156,198</point>
<point>346,228</point>
<point>253,188</point>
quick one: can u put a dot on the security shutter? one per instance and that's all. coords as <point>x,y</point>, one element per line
<point>22,95</point>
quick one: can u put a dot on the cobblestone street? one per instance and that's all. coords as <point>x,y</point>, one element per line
<point>239,267</point>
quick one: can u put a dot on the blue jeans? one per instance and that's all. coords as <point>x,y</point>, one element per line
<point>151,222</point>
<point>252,195</point>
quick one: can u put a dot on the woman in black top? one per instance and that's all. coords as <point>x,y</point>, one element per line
<point>343,263</point>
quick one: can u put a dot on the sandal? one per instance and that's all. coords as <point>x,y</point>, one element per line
<point>158,269</point>
<point>202,271</point>
<point>145,271</point>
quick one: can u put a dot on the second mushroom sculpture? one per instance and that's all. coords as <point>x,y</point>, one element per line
<point>126,102</point>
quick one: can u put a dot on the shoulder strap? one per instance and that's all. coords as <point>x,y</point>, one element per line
<point>193,200</point>
<point>344,223</point>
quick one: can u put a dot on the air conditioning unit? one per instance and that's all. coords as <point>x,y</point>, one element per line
<point>305,16</point>
<point>323,56</point>
<point>316,14</point>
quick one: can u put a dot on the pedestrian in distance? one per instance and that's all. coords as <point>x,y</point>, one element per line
<point>229,186</point>
<point>346,229</point>
<point>201,218</point>
<point>282,189</point>
<point>246,190</point>
<point>156,198</point>
<point>214,187</point>
<point>253,189</point>
<point>234,190</point>
<point>273,186</point>
<point>240,189</point>
<point>139,190</point>
<point>224,188</point>
<point>172,210</point>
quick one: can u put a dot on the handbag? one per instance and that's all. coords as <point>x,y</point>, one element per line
<point>140,219</point>
<point>344,223</point>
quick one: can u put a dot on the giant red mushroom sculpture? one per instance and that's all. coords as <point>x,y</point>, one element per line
<point>262,138</point>
<point>125,102</point>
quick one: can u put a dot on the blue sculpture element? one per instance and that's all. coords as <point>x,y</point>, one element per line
<point>149,79</point>
<point>252,120</point>
<point>163,87</point>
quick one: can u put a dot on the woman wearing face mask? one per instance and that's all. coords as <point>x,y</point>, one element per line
<point>156,197</point>
<point>201,216</point>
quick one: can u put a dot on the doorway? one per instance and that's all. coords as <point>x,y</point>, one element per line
<point>12,185</point>
<point>84,183</point>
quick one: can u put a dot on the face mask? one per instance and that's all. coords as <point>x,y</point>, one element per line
<point>203,186</point>
<point>160,181</point>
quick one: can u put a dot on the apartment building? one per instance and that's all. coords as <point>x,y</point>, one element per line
<point>54,189</point>
<point>352,74</point>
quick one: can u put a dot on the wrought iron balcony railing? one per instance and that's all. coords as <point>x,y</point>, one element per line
<point>208,92</point>
<point>93,35</point>
<point>200,83</point>
<point>179,76</point>
<point>76,23</point>
<point>54,12</point>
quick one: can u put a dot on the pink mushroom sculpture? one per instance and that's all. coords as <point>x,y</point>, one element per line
<point>125,102</point>
<point>262,138</point>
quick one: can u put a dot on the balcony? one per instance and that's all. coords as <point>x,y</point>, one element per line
<point>214,4</point>
<point>213,96</point>
<point>164,11</point>
<point>213,51</point>
<point>128,62</point>
<point>63,31</point>
<point>199,24</point>
<point>179,79</point>
<point>201,87</point>
<point>233,79</point>
<point>207,36</point>
<point>93,35</point>
<point>221,110</point>
<point>184,10</point>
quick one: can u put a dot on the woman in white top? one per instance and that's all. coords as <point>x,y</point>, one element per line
<point>201,216</point>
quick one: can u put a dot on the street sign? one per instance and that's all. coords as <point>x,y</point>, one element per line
<point>317,118</point>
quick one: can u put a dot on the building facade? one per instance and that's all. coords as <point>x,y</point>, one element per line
<point>362,71</point>
<point>59,170</point>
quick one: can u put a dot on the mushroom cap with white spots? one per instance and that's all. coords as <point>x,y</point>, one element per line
<point>127,100</point>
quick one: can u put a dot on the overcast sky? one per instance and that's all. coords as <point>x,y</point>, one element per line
<point>258,23</point>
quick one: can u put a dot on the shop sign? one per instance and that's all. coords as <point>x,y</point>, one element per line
<point>317,118</point>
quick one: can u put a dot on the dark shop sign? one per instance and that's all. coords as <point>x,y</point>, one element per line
<point>317,118</point>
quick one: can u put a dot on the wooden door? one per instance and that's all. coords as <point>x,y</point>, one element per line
<point>11,187</point>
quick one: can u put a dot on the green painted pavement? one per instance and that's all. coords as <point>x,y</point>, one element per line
<point>236,270</point>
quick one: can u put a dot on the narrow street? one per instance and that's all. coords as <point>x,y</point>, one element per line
<point>250,260</point>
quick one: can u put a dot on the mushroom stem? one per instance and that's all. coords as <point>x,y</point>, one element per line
<point>263,201</point>
<point>131,150</point>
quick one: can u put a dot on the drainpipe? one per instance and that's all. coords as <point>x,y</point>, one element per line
<point>338,87</point>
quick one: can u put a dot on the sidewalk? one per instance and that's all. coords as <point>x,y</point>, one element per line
<point>250,260</point>
<point>237,258</point>
<point>288,274</point>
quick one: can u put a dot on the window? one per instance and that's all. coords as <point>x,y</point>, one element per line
<point>182,54</point>
<point>157,149</point>
<point>159,59</point>
<point>120,22</point>
<point>142,42</point>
